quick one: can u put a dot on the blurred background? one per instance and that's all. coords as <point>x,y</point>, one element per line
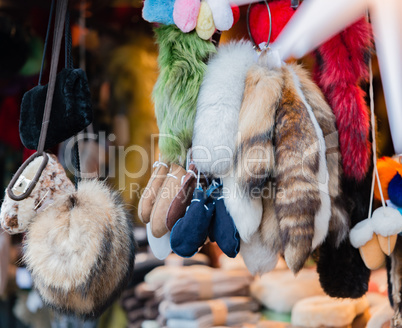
<point>116,48</point>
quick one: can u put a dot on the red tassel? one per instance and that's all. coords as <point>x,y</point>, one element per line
<point>343,68</point>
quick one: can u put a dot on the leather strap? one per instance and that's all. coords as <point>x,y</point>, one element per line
<point>61,9</point>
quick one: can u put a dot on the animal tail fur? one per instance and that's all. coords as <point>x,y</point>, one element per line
<point>298,198</point>
<point>340,221</point>
<point>182,58</point>
<point>343,66</point>
<point>254,153</point>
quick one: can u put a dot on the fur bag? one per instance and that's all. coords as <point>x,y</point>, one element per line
<point>15,216</point>
<point>80,250</point>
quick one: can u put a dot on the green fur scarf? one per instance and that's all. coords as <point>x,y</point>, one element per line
<point>182,63</point>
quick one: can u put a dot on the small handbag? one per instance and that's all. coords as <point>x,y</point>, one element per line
<point>71,108</point>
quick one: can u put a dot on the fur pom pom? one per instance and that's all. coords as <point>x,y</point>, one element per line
<point>222,14</point>
<point>182,66</point>
<point>15,216</point>
<point>158,11</point>
<point>254,154</point>
<point>245,211</point>
<point>185,14</point>
<point>218,107</point>
<point>297,165</point>
<point>80,250</point>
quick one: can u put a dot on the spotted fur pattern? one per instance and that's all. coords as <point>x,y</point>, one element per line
<point>340,221</point>
<point>15,216</point>
<point>80,250</point>
<point>297,165</point>
<point>254,153</point>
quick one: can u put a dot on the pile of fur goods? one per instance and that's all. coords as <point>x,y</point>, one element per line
<point>272,139</point>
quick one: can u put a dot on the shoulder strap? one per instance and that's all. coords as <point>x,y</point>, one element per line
<point>61,10</point>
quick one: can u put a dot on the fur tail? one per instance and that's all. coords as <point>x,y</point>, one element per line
<point>254,153</point>
<point>298,197</point>
<point>343,67</point>
<point>340,221</point>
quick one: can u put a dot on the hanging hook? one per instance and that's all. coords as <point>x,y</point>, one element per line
<point>256,46</point>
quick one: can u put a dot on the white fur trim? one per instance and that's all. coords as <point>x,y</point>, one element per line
<point>159,246</point>
<point>222,14</point>
<point>361,233</point>
<point>387,221</point>
<point>245,211</point>
<point>322,218</point>
<point>218,107</point>
<point>255,255</point>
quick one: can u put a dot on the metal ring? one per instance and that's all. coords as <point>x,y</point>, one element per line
<point>256,46</point>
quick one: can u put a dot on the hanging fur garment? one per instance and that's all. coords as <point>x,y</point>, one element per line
<point>341,269</point>
<point>339,223</point>
<point>342,67</point>
<point>297,166</point>
<point>254,154</point>
<point>218,107</point>
<point>245,211</point>
<point>80,250</point>
<point>182,58</point>
<point>261,253</point>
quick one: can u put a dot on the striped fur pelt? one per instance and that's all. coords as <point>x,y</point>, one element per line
<point>297,167</point>
<point>254,154</point>
<point>340,221</point>
<point>80,250</point>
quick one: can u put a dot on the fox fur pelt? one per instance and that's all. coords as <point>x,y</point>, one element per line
<point>342,66</point>
<point>261,253</point>
<point>297,167</point>
<point>80,250</point>
<point>246,211</point>
<point>254,154</point>
<point>218,107</point>
<point>323,216</point>
<point>182,63</point>
<point>339,222</point>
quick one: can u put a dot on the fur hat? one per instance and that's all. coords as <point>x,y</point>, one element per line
<point>80,250</point>
<point>15,216</point>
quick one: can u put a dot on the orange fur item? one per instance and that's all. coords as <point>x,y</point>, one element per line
<point>387,168</point>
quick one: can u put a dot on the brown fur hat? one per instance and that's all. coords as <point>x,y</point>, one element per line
<point>80,250</point>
